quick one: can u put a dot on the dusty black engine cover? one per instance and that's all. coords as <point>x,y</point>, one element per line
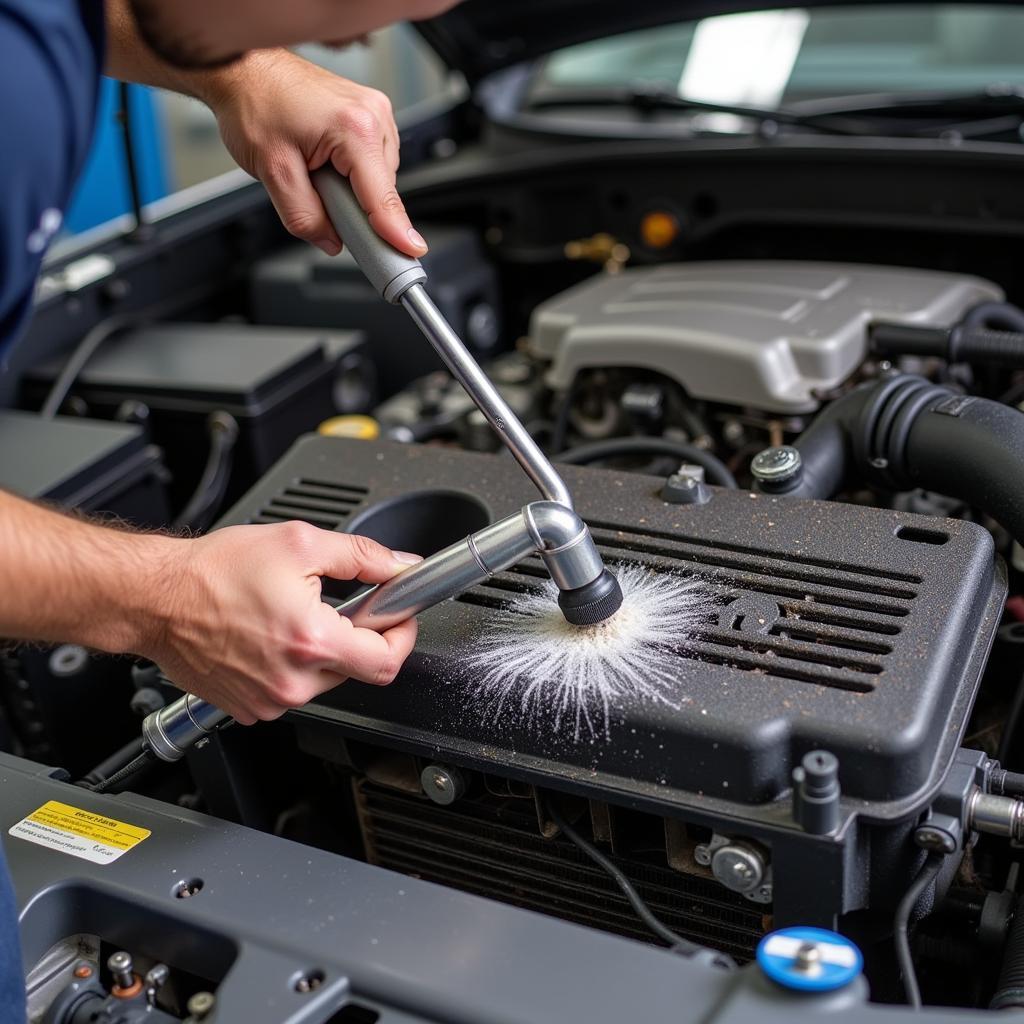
<point>857,630</point>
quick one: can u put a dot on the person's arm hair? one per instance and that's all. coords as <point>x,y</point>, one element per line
<point>235,616</point>
<point>281,117</point>
<point>64,579</point>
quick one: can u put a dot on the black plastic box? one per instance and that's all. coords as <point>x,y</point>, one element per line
<point>276,383</point>
<point>302,286</point>
<point>66,707</point>
<point>85,464</point>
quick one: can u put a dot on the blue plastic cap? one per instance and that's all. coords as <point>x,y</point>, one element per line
<point>809,959</point>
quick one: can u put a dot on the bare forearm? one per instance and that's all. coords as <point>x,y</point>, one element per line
<point>66,579</point>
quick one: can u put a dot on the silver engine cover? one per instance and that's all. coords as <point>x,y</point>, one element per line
<point>769,335</point>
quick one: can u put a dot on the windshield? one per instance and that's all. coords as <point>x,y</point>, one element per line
<point>778,58</point>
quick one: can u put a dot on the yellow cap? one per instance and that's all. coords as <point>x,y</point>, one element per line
<point>659,229</point>
<point>360,428</point>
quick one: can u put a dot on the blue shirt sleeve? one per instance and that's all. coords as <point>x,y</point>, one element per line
<point>50,55</point>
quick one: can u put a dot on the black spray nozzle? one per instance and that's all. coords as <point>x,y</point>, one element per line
<point>593,603</point>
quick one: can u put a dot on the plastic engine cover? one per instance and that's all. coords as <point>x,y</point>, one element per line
<point>862,631</point>
<point>767,335</point>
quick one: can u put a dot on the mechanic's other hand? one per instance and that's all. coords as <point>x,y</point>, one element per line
<point>245,627</point>
<point>282,116</point>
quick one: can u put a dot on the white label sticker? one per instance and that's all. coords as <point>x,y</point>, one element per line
<point>78,832</point>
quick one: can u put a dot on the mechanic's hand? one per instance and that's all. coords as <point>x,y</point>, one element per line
<point>245,628</point>
<point>282,116</point>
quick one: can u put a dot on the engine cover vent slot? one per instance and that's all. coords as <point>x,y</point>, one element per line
<point>318,502</point>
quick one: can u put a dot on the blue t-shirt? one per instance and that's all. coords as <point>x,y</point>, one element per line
<point>51,58</point>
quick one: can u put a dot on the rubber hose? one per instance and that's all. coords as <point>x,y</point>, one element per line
<point>974,452</point>
<point>1000,315</point>
<point>1010,987</point>
<point>1000,348</point>
<point>904,432</point>
<point>717,471</point>
<point>958,344</point>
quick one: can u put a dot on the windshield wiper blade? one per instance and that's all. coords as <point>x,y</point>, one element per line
<point>654,99</point>
<point>992,100</point>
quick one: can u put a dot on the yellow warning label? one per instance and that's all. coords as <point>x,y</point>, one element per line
<point>80,833</point>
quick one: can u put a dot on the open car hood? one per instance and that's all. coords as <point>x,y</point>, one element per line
<point>481,36</point>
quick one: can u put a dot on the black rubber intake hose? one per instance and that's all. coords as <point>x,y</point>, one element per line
<point>904,432</point>
<point>958,344</point>
<point>1010,987</point>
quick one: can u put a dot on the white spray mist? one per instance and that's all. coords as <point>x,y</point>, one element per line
<point>532,665</point>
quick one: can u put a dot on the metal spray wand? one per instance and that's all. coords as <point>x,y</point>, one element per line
<point>588,593</point>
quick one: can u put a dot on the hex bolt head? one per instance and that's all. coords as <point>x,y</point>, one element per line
<point>702,855</point>
<point>122,968</point>
<point>776,465</point>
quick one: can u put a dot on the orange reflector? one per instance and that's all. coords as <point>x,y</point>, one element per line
<point>659,229</point>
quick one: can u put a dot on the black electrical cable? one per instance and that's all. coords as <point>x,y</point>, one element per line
<point>901,938</point>
<point>132,768</point>
<point>717,471</point>
<point>113,764</point>
<point>131,164</point>
<point>213,483</point>
<point>83,352</point>
<point>674,940</point>
<point>1004,783</point>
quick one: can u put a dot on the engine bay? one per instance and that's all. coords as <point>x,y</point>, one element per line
<point>820,459</point>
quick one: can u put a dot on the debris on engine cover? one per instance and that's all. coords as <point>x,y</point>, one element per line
<point>859,631</point>
<point>769,335</point>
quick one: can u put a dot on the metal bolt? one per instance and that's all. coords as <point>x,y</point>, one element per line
<point>808,956</point>
<point>739,868</point>
<point>702,855</point>
<point>200,1004</point>
<point>156,976</point>
<point>309,982</point>
<point>443,785</point>
<point>776,465</point>
<point>83,971</point>
<point>122,968</point>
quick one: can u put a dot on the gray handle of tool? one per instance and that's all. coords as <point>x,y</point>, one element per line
<point>391,272</point>
<point>399,278</point>
<point>172,730</point>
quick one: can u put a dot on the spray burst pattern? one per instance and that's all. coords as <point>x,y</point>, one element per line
<point>532,666</point>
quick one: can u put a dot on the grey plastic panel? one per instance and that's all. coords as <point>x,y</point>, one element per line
<point>414,952</point>
<point>763,334</point>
